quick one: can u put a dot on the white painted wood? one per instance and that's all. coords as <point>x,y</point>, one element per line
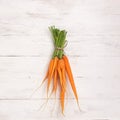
<point>30,109</point>
<point>93,49</point>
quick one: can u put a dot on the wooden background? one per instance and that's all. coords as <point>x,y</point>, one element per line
<point>93,49</point>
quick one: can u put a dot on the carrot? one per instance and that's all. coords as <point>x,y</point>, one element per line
<point>62,92</point>
<point>64,79</point>
<point>51,73</point>
<point>49,70</point>
<point>62,97</point>
<point>61,71</point>
<point>55,82</point>
<point>60,75</point>
<point>47,75</point>
<point>70,76</point>
<point>62,66</point>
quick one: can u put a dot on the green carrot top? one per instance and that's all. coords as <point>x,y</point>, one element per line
<point>59,38</point>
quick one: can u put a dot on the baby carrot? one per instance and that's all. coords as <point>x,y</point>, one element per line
<point>55,82</point>
<point>51,73</point>
<point>49,70</point>
<point>70,76</point>
<point>61,70</point>
<point>62,97</point>
<point>60,75</point>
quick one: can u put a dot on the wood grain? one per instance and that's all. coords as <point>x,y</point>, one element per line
<point>93,49</point>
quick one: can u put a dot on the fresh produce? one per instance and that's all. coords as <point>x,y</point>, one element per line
<point>59,67</point>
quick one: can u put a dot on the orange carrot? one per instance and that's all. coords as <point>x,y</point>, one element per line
<point>47,75</point>
<point>62,66</point>
<point>63,87</point>
<point>55,82</point>
<point>61,71</point>
<point>70,76</point>
<point>62,97</point>
<point>64,79</point>
<point>49,70</point>
<point>51,73</point>
<point>60,75</point>
<point>62,92</point>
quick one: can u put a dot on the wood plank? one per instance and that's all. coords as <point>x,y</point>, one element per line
<point>92,109</point>
<point>17,47</point>
<point>24,30</point>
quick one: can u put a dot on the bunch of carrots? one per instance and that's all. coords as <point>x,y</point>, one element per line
<point>59,67</point>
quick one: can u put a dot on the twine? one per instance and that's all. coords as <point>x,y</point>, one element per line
<point>62,48</point>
